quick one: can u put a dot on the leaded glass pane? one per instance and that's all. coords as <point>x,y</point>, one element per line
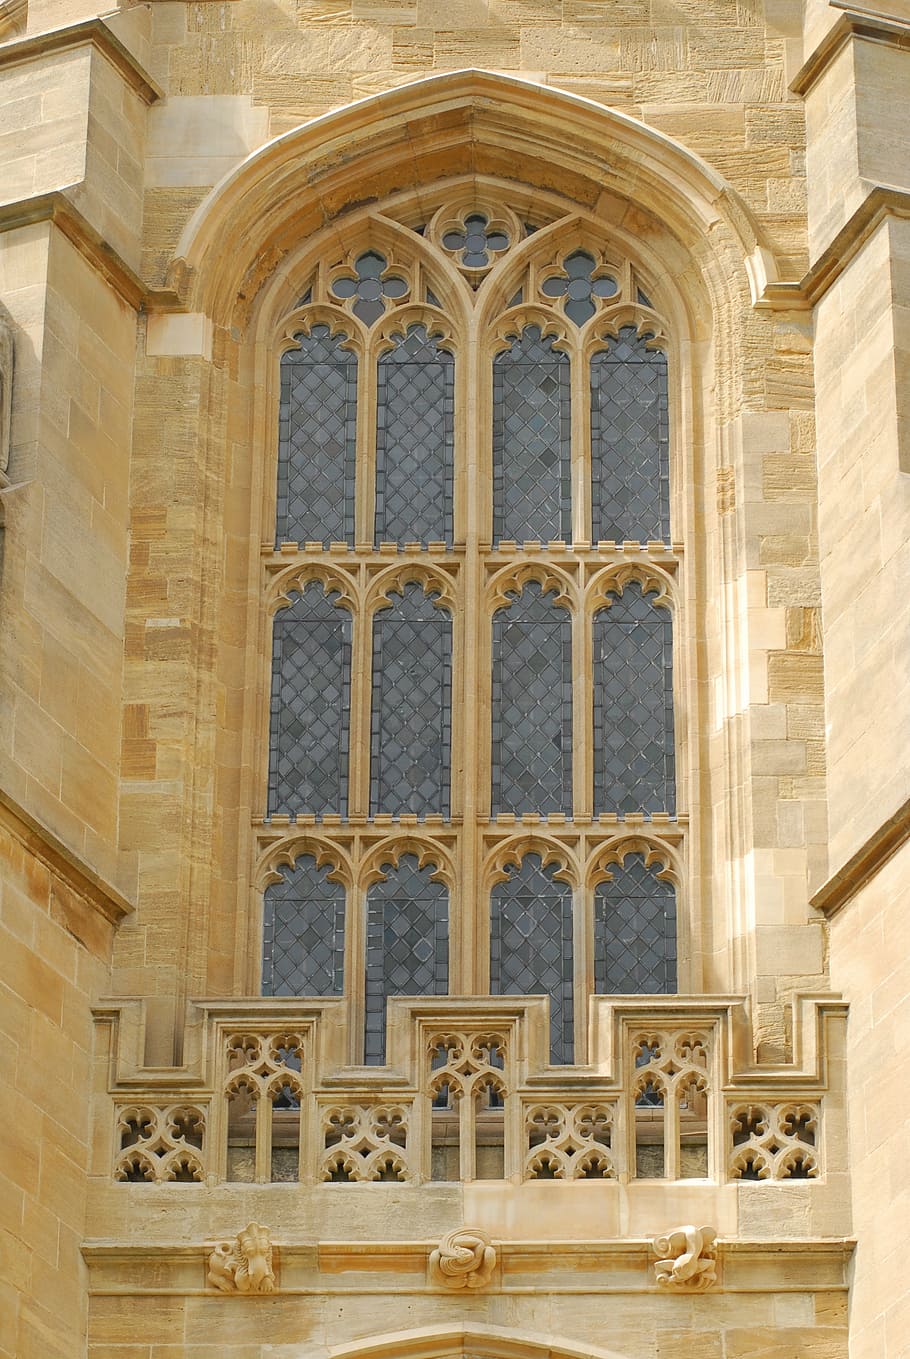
<point>630,456</point>
<point>412,706</point>
<point>407,943</point>
<point>634,764</point>
<point>531,945</point>
<point>414,439</point>
<point>316,441</point>
<point>303,933</point>
<point>634,932</point>
<point>531,441</point>
<point>311,681</point>
<point>532,705</point>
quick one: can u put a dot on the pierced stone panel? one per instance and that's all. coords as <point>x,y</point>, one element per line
<point>579,283</point>
<point>630,435</point>
<point>531,441</point>
<point>311,684</point>
<point>415,421</point>
<point>364,1142</point>
<point>303,932</point>
<point>412,706</point>
<point>774,1142</point>
<point>158,1145</point>
<point>670,1093</point>
<point>407,943</point>
<point>634,931</point>
<point>532,706</point>
<point>531,945</point>
<point>370,287</point>
<point>263,1088</point>
<point>316,441</point>
<point>634,756</point>
<point>569,1141</point>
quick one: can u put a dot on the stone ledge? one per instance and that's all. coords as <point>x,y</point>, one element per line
<point>863,866</point>
<point>63,862</point>
<point>882,202</point>
<point>851,24</point>
<point>89,32</point>
<point>55,207</point>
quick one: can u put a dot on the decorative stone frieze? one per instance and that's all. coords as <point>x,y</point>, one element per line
<point>688,1260</point>
<point>463,1259</point>
<point>244,1265</point>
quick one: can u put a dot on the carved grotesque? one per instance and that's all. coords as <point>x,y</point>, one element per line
<point>689,1258</point>
<point>463,1259</point>
<point>245,1264</point>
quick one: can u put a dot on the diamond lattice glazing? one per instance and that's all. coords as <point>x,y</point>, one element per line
<point>311,681</point>
<point>531,945</point>
<point>303,933</point>
<point>532,705</point>
<point>412,706</point>
<point>531,441</point>
<point>634,932</point>
<point>407,943</point>
<point>316,444</point>
<point>414,439</point>
<point>634,763</point>
<point>630,441</point>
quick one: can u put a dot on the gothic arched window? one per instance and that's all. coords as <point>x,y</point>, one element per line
<point>473,599</point>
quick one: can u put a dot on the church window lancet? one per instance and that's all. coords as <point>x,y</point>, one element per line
<point>480,446</point>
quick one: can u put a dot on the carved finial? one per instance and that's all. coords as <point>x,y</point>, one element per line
<point>689,1258</point>
<point>463,1259</point>
<point>243,1265</point>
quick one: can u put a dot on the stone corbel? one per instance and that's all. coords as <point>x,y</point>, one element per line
<point>463,1259</point>
<point>688,1260</point>
<point>244,1265</point>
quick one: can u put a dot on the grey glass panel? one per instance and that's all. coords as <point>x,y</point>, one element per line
<point>634,764</point>
<point>311,681</point>
<point>630,457</point>
<point>412,706</point>
<point>316,443</point>
<point>531,945</point>
<point>303,933</point>
<point>407,943</point>
<point>634,932</point>
<point>414,438</point>
<point>531,441</point>
<point>532,706</point>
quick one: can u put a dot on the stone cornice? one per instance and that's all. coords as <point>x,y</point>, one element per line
<point>90,32</point>
<point>57,208</point>
<point>63,862</point>
<point>853,23</point>
<point>865,864</point>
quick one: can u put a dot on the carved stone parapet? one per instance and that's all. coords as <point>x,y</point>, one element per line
<point>463,1259</point>
<point>689,1259</point>
<point>244,1265</point>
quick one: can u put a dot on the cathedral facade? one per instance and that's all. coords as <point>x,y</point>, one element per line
<point>454,700</point>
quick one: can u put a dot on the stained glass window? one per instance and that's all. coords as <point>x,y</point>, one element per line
<point>303,933</point>
<point>531,945</point>
<point>630,441</point>
<point>414,436</point>
<point>532,705</point>
<point>407,943</point>
<point>311,685</point>
<point>634,761</point>
<point>316,441</point>
<point>412,706</point>
<point>634,931</point>
<point>531,441</point>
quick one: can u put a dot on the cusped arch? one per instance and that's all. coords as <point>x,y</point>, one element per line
<point>286,190</point>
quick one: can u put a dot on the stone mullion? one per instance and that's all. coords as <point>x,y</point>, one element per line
<point>474,399</point>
